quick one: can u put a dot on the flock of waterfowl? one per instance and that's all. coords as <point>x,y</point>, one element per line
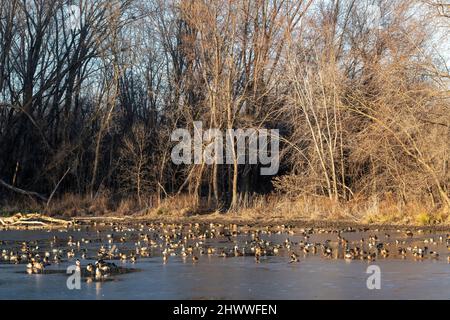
<point>189,242</point>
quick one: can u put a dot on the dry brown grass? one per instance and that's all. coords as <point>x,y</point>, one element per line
<point>180,206</point>
<point>271,207</point>
<point>72,205</point>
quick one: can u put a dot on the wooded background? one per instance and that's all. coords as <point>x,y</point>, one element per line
<point>358,89</point>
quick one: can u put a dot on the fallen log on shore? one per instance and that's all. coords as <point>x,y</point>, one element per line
<point>33,220</point>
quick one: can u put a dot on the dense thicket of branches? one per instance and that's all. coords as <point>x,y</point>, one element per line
<point>358,89</point>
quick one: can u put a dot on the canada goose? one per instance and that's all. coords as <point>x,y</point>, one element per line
<point>78,265</point>
<point>14,258</point>
<point>38,267</point>
<point>57,259</point>
<point>371,256</point>
<point>70,243</point>
<point>105,267</point>
<point>418,255</point>
<point>327,252</point>
<point>418,252</point>
<point>90,268</point>
<point>30,265</point>
<point>46,262</point>
<point>349,255</point>
<point>237,252</point>
<point>434,254</point>
<point>363,255</point>
<point>294,258</point>
<point>98,273</point>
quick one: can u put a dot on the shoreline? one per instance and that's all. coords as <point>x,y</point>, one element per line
<point>297,223</point>
<point>218,218</point>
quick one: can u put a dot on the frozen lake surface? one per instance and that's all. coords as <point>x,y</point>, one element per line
<point>216,277</point>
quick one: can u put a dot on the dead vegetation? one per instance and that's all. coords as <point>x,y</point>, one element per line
<point>359,91</point>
